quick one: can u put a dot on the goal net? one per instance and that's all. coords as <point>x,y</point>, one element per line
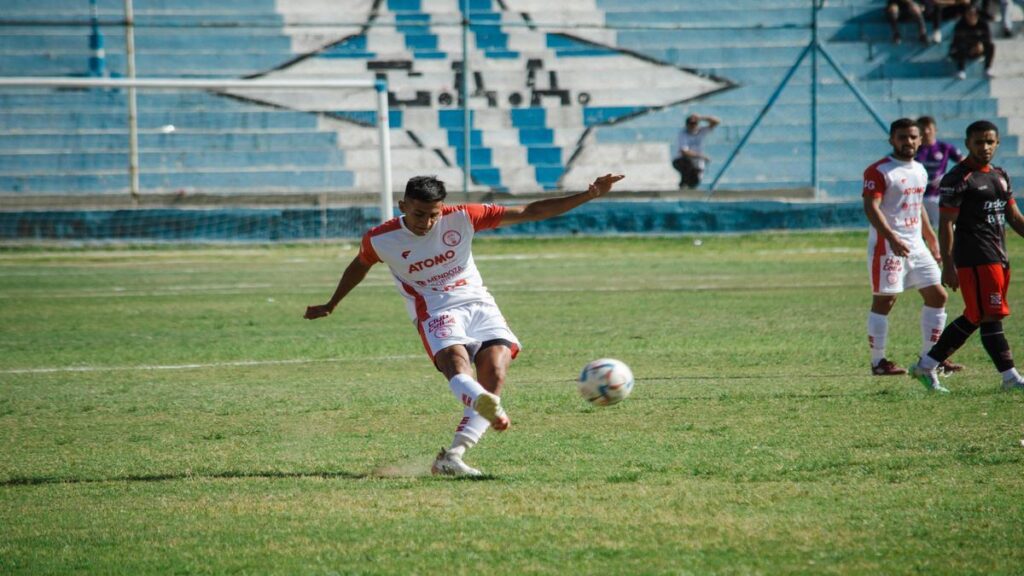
<point>193,159</point>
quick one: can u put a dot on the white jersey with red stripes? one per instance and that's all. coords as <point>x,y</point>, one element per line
<point>436,271</point>
<point>901,185</point>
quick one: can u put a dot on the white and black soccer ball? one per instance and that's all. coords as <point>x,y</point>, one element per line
<point>605,382</point>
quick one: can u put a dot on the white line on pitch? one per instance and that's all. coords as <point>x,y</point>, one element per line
<point>239,363</point>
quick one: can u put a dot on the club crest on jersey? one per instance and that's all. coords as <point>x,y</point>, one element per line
<point>451,238</point>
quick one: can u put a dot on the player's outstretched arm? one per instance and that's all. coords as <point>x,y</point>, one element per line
<point>353,275</point>
<point>551,207</point>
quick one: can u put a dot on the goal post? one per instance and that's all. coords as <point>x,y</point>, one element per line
<point>215,84</point>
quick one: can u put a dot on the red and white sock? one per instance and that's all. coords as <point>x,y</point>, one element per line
<point>933,320</point>
<point>466,389</point>
<point>469,431</point>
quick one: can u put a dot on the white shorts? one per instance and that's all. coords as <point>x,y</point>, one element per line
<point>891,274</point>
<point>470,325</point>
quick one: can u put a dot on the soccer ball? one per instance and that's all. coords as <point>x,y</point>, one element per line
<point>605,382</point>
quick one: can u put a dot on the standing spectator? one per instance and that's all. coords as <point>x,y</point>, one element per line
<point>1004,11</point>
<point>905,9</point>
<point>690,159</point>
<point>971,39</point>
<point>935,155</point>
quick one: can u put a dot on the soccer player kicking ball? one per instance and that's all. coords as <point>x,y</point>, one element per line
<point>902,249</point>
<point>975,204</point>
<point>429,250</point>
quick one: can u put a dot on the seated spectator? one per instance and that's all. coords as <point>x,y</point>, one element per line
<point>971,39</point>
<point>690,159</point>
<point>905,9</point>
<point>940,10</point>
<point>936,156</point>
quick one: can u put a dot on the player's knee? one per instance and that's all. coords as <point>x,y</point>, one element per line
<point>991,318</point>
<point>452,360</point>
<point>936,298</point>
<point>883,304</point>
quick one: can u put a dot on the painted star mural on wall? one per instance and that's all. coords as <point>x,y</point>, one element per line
<point>540,80</point>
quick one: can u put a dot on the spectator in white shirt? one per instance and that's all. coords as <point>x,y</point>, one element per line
<point>690,159</point>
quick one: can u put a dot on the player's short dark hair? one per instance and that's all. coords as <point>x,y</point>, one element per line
<point>901,124</point>
<point>925,121</point>
<point>425,189</point>
<point>981,126</point>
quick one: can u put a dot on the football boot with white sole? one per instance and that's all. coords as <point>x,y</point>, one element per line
<point>489,406</point>
<point>449,464</point>
<point>928,378</point>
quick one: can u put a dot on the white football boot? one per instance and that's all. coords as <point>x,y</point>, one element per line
<point>928,378</point>
<point>1013,384</point>
<point>489,406</point>
<point>449,464</point>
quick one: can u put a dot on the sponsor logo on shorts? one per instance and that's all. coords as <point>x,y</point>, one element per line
<point>440,326</point>
<point>892,264</point>
<point>995,299</point>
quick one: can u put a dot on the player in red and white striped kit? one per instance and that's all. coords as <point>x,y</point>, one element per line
<point>429,252</point>
<point>902,248</point>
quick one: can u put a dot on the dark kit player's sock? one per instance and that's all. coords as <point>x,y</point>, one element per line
<point>953,337</point>
<point>994,341</point>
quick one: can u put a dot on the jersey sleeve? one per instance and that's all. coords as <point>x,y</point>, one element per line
<point>951,191</point>
<point>874,183</point>
<point>955,155</point>
<point>367,253</point>
<point>484,216</point>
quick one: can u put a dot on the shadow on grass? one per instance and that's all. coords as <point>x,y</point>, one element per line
<point>38,480</point>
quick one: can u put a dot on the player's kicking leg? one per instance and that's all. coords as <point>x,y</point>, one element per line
<point>449,461</point>
<point>483,407</point>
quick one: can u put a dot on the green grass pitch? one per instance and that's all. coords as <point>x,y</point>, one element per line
<point>168,410</point>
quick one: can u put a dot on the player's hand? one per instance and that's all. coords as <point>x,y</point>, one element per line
<point>318,311</point>
<point>899,247</point>
<point>950,279</point>
<point>604,184</point>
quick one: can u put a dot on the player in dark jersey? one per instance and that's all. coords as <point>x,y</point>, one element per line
<point>975,206</point>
